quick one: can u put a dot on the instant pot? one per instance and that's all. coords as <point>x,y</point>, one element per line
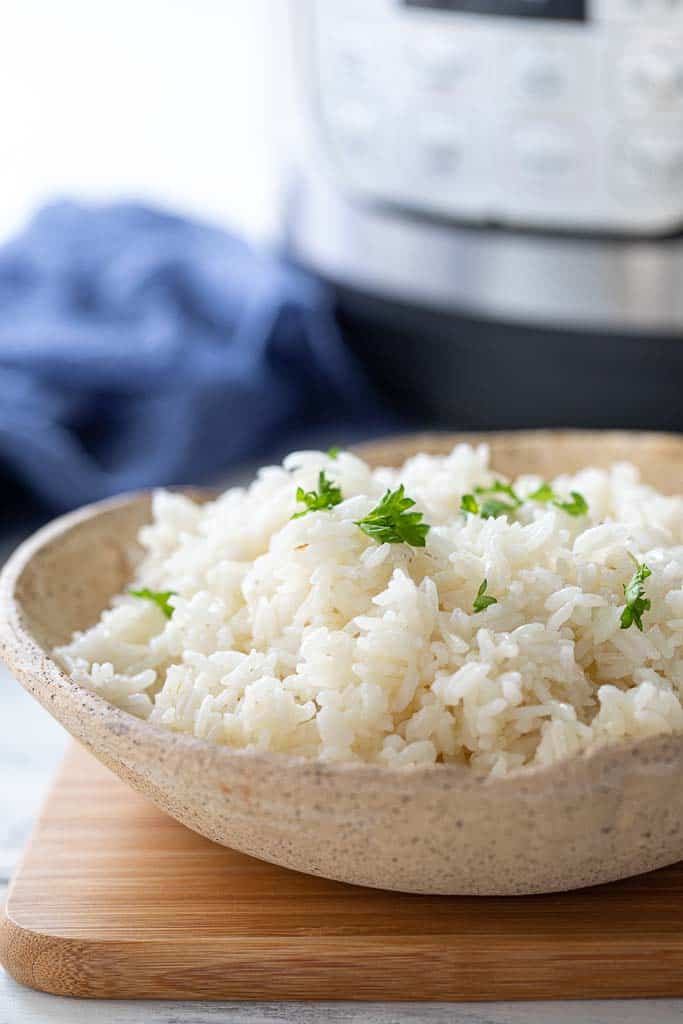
<point>494,189</point>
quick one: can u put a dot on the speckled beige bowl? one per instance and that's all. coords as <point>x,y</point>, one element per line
<point>441,829</point>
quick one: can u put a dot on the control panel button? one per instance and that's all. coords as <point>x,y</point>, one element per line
<point>652,78</point>
<point>351,65</point>
<point>439,147</point>
<point>353,125</point>
<point>439,64</point>
<point>539,77</point>
<point>542,79</point>
<point>544,151</point>
<point>348,62</point>
<point>654,162</point>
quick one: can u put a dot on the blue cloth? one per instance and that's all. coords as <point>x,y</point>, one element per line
<point>140,348</point>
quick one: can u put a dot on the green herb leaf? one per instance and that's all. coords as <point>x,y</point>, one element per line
<point>159,597</point>
<point>578,506</point>
<point>483,600</point>
<point>468,503</point>
<point>543,494</point>
<point>491,508</point>
<point>391,523</point>
<point>498,487</point>
<point>327,496</point>
<point>333,453</point>
<point>636,602</point>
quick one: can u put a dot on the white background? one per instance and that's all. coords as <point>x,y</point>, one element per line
<point>162,100</point>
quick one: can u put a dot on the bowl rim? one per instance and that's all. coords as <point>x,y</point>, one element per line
<point>28,660</point>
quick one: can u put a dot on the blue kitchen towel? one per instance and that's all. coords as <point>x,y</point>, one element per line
<point>140,348</point>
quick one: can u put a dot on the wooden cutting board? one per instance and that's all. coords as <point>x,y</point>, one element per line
<point>114,899</point>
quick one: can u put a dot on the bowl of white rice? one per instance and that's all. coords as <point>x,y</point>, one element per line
<point>436,664</point>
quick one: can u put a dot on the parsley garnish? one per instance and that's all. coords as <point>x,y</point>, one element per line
<point>498,487</point>
<point>483,600</point>
<point>327,496</point>
<point>491,508</point>
<point>391,523</point>
<point>636,602</point>
<point>159,597</point>
<point>468,503</point>
<point>333,452</point>
<point>543,494</point>
<point>578,506</point>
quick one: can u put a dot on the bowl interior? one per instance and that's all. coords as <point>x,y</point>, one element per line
<point>72,577</point>
<point>659,457</point>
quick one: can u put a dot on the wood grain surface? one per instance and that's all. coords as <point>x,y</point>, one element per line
<point>114,899</point>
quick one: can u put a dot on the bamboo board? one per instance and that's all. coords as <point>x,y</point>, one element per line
<point>114,899</point>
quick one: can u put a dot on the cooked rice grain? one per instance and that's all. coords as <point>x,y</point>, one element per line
<point>304,636</point>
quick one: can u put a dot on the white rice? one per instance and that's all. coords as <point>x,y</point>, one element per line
<point>304,636</point>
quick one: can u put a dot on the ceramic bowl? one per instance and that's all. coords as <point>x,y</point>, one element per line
<point>439,829</point>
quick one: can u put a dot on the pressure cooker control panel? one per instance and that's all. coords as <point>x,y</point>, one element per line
<point>544,113</point>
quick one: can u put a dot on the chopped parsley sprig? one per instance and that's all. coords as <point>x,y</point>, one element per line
<point>578,506</point>
<point>333,452</point>
<point>498,487</point>
<point>483,600</point>
<point>390,522</point>
<point>468,503</point>
<point>543,494</point>
<point>327,496</point>
<point>158,597</point>
<point>486,505</point>
<point>490,507</point>
<point>636,601</point>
